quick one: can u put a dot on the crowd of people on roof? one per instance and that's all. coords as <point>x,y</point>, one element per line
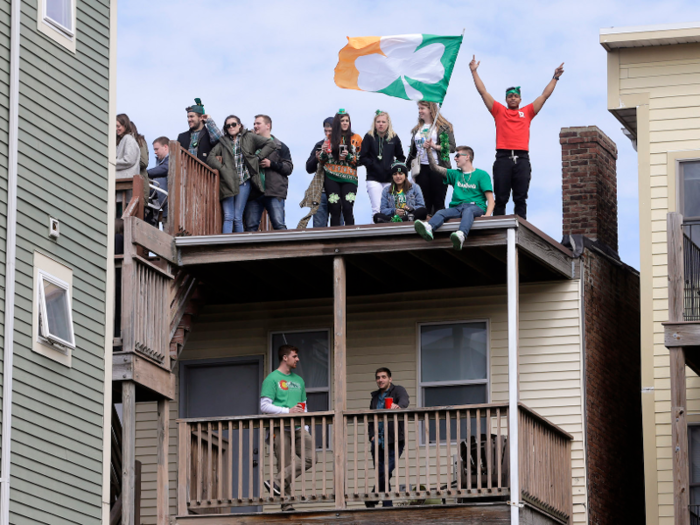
<point>254,167</point>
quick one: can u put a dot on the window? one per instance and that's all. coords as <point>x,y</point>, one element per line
<point>55,319</point>
<point>690,197</point>
<point>52,325</point>
<point>453,367</point>
<point>313,367</point>
<point>60,14</point>
<point>56,20</point>
<point>694,470</point>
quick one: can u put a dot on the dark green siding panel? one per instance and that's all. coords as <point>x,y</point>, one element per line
<point>63,170</point>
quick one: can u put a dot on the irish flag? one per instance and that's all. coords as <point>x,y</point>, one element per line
<point>413,67</point>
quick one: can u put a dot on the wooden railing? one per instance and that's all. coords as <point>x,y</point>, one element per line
<point>193,195</point>
<point>225,462</point>
<point>545,464</point>
<point>466,454</point>
<point>146,292</point>
<point>452,454</point>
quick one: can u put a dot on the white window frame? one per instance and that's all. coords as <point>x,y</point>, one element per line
<point>329,430</point>
<point>54,29</point>
<point>486,381</point>
<point>419,368</point>
<point>50,270</point>
<point>44,329</point>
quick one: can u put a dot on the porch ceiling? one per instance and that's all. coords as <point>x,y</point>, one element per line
<point>379,264</point>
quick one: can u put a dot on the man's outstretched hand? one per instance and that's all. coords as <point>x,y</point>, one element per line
<point>473,65</point>
<point>557,72</point>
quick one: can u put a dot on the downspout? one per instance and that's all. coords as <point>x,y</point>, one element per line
<point>110,289</point>
<point>513,395</point>
<point>10,261</point>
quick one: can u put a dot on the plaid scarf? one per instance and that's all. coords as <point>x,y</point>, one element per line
<point>194,143</point>
<point>241,167</point>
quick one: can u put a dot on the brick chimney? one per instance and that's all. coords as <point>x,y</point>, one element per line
<point>589,184</point>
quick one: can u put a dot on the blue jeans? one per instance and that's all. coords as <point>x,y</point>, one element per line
<point>467,211</point>
<point>233,209</point>
<point>379,465</point>
<point>254,210</point>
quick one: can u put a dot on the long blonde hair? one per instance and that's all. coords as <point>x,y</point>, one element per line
<point>439,123</point>
<point>390,133</point>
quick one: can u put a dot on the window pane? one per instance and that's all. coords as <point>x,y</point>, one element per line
<point>454,395</point>
<point>691,188</point>
<point>57,313</point>
<point>313,355</point>
<point>453,352</point>
<point>318,402</point>
<point>60,11</point>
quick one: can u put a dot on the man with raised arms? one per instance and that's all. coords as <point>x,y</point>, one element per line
<point>512,170</point>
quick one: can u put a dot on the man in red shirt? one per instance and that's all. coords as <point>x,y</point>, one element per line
<point>511,170</point>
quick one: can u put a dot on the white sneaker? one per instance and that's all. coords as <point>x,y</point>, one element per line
<point>457,239</point>
<point>424,229</point>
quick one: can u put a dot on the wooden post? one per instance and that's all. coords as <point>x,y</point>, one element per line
<point>163,443</point>
<point>339,371</point>
<point>513,383</point>
<point>183,465</point>
<point>128,452</point>
<point>679,422</point>
<point>173,188</point>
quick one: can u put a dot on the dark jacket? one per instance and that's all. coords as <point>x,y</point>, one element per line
<point>205,143</point>
<point>228,176</point>
<point>281,167</point>
<point>160,170</point>
<point>312,161</point>
<point>379,170</point>
<point>400,398</point>
<point>453,147</point>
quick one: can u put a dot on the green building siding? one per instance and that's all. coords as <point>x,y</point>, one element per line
<point>57,429</point>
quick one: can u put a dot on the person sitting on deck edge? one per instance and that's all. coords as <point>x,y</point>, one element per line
<point>472,196</point>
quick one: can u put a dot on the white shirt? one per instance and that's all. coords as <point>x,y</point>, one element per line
<point>420,138</point>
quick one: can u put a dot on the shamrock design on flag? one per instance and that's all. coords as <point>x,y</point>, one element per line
<point>404,69</point>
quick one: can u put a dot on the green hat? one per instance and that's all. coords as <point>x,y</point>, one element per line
<point>341,111</point>
<point>515,90</point>
<point>378,112</point>
<point>197,108</point>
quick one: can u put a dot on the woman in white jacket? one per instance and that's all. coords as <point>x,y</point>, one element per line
<point>128,152</point>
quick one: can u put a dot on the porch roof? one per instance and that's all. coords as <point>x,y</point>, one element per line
<point>381,258</point>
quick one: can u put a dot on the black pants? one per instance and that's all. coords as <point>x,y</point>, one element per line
<point>511,173</point>
<point>338,202</point>
<point>433,188</point>
<point>419,214</point>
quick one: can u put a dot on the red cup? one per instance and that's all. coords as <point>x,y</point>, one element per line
<point>302,405</point>
<point>388,401</point>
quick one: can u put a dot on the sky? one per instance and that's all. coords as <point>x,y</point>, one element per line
<point>277,58</point>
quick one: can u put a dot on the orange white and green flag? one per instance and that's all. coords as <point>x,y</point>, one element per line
<point>412,67</point>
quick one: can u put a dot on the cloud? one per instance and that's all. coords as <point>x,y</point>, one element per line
<point>278,58</point>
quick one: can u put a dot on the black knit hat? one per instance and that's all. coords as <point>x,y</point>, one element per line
<point>399,166</point>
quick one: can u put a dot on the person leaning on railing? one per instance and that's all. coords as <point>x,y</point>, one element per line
<point>386,438</point>
<point>239,167</point>
<point>284,392</point>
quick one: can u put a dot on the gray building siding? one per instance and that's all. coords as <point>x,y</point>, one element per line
<point>57,430</point>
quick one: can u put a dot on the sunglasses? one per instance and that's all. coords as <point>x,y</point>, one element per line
<point>232,125</point>
<point>458,155</point>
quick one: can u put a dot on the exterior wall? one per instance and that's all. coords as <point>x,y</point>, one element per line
<point>662,82</point>
<point>56,473</point>
<point>613,430</point>
<point>550,355</point>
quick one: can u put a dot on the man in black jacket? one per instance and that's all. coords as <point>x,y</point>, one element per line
<point>321,216</point>
<point>203,133</point>
<point>382,438</point>
<point>276,168</point>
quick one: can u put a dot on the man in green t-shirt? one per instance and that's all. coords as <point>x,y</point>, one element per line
<point>284,392</point>
<point>472,196</point>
